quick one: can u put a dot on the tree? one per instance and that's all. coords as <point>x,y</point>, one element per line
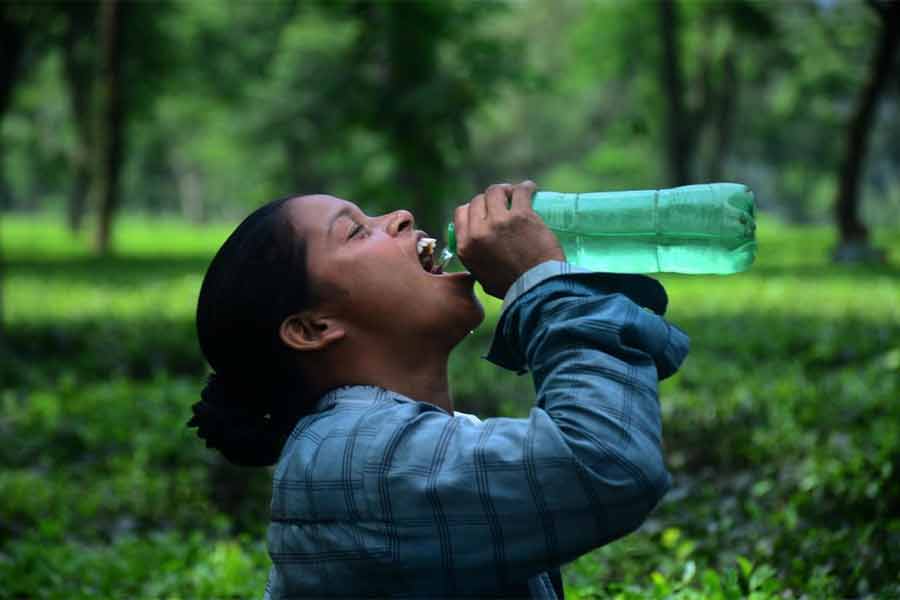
<point>78,51</point>
<point>704,129</point>
<point>12,46</point>
<point>37,29</point>
<point>423,105</point>
<point>109,135</point>
<point>678,143</point>
<point>854,243</point>
<point>371,100</point>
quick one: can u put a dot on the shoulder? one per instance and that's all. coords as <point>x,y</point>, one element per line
<point>332,453</point>
<point>355,421</point>
<point>470,417</point>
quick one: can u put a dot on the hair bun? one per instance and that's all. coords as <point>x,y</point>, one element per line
<point>211,414</point>
<point>245,438</point>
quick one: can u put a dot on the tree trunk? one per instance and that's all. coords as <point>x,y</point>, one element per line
<point>854,245</point>
<point>12,45</point>
<point>189,184</point>
<point>678,145</point>
<point>108,135</point>
<point>411,38</point>
<point>79,67</point>
<point>725,111</point>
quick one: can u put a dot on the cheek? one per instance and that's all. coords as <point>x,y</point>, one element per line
<point>378,290</point>
<point>378,277</point>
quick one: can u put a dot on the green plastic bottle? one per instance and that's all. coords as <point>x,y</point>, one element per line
<point>699,229</point>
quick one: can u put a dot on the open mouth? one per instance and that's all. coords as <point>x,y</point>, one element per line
<point>425,249</point>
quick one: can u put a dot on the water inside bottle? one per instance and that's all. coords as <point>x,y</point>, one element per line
<point>695,256</point>
<point>445,257</point>
<point>706,228</point>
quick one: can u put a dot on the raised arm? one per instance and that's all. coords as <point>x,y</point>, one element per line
<point>495,503</point>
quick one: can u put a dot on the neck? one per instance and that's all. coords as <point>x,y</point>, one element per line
<point>426,383</point>
<point>420,375</point>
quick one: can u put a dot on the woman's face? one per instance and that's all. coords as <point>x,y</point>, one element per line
<point>369,271</point>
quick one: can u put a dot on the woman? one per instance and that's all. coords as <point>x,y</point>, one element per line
<point>329,337</point>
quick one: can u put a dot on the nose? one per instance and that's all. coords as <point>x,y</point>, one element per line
<point>399,221</point>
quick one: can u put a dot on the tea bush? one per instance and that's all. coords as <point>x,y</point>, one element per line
<point>782,430</point>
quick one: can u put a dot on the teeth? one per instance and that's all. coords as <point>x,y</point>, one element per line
<point>425,243</point>
<point>425,250</point>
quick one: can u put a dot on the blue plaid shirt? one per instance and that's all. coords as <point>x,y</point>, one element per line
<point>378,494</point>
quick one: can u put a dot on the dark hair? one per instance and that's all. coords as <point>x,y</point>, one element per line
<point>255,397</point>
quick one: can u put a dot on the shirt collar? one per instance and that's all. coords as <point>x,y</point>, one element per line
<point>362,394</point>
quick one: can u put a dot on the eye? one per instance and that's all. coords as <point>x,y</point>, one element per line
<point>355,231</point>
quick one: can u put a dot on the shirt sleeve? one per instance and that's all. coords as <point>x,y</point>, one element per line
<point>640,289</point>
<point>585,467</point>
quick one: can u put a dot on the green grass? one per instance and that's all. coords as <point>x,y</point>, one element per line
<point>782,430</point>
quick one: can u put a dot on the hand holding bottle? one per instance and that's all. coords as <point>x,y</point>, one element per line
<point>499,236</point>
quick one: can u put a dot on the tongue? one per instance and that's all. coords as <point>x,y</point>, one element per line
<point>428,263</point>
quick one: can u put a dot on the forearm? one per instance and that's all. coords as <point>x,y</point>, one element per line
<point>596,357</point>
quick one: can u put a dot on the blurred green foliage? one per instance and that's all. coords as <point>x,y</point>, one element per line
<point>422,104</point>
<point>781,430</point>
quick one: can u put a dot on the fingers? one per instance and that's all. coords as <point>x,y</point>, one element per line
<point>473,220</point>
<point>461,226</point>
<point>478,208</point>
<point>522,195</point>
<point>497,200</point>
<point>478,218</point>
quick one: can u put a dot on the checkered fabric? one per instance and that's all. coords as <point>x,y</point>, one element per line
<point>378,494</point>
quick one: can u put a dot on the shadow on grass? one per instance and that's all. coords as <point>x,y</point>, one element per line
<point>115,269</point>
<point>98,349</point>
<point>861,271</point>
<point>141,347</point>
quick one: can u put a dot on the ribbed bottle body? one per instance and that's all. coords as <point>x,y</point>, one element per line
<point>707,228</point>
<point>699,229</point>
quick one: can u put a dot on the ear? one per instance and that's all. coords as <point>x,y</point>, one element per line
<point>307,331</point>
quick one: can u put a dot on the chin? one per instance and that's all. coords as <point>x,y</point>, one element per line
<point>465,318</point>
<point>476,313</point>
